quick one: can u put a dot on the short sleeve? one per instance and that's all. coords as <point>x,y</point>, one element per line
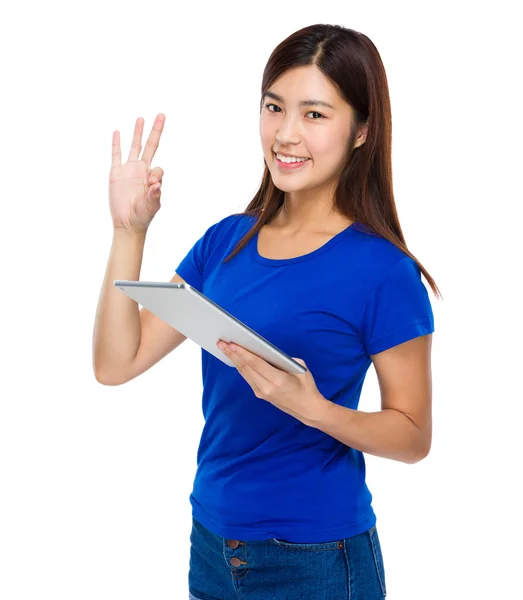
<point>397,310</point>
<point>192,266</point>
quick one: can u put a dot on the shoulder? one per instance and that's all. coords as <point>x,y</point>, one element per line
<point>379,258</point>
<point>229,223</point>
<point>225,226</point>
<point>231,228</point>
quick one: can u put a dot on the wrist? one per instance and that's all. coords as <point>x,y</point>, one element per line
<point>128,233</point>
<point>319,409</point>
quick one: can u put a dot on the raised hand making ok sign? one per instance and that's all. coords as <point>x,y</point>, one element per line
<point>135,189</point>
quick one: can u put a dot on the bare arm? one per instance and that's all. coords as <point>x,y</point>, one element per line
<point>402,429</point>
<point>117,328</point>
<point>128,341</point>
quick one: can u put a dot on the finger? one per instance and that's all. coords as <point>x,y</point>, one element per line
<point>151,145</point>
<point>155,190</point>
<point>251,366</point>
<point>155,175</point>
<point>254,379</point>
<point>136,144</point>
<point>261,366</point>
<point>116,153</point>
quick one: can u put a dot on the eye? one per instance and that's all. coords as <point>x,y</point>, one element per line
<point>312,111</point>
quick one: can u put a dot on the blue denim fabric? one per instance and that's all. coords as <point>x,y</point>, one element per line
<point>348,569</point>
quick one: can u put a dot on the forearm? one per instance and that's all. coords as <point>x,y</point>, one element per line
<point>117,328</point>
<point>387,433</point>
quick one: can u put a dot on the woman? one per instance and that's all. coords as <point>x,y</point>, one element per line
<point>319,266</point>
<point>280,504</point>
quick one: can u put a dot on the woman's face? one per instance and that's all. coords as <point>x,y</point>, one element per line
<point>316,131</point>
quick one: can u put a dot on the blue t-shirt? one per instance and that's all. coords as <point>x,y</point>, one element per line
<point>261,472</point>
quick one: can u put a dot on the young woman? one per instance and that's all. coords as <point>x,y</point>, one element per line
<point>317,264</point>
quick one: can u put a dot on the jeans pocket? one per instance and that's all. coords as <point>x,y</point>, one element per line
<point>307,546</point>
<point>378,558</point>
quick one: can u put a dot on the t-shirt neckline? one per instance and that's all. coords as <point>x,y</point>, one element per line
<point>277,262</point>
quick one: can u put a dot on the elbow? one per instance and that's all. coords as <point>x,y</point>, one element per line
<point>420,449</point>
<point>103,375</point>
<point>104,380</point>
<point>419,454</point>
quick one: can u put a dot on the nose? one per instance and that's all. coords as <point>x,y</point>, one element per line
<point>288,132</point>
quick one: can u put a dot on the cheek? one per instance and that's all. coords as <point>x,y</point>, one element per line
<point>328,148</point>
<point>266,136</point>
<point>326,142</point>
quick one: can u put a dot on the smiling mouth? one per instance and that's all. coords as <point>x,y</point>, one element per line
<point>292,166</point>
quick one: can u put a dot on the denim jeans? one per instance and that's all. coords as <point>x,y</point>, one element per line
<point>222,569</point>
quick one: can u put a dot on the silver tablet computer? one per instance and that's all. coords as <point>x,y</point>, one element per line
<point>203,321</point>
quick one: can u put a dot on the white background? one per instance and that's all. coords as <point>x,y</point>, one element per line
<point>95,480</point>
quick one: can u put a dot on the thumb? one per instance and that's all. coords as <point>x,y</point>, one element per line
<point>156,189</point>
<point>299,360</point>
<point>153,198</point>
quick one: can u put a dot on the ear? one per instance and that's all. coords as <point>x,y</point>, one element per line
<point>362,135</point>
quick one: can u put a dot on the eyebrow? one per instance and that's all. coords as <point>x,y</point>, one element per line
<point>302,103</point>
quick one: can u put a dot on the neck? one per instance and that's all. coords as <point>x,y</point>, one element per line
<point>307,211</point>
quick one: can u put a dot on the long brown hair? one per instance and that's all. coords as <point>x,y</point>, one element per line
<point>364,192</point>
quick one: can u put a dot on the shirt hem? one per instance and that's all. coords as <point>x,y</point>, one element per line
<point>310,536</point>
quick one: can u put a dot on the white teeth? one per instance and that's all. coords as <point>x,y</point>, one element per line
<point>290,159</point>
